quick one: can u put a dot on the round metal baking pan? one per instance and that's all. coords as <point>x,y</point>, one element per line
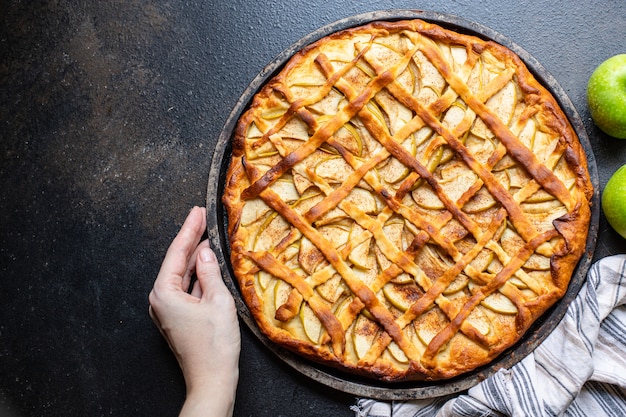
<point>358,386</point>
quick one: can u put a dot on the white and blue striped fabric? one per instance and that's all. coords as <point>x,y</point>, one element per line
<point>579,370</point>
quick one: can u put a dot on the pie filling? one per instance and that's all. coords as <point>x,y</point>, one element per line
<point>404,201</point>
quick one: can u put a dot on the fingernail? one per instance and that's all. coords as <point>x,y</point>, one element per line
<point>207,255</point>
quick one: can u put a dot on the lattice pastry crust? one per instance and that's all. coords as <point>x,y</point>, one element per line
<point>404,201</point>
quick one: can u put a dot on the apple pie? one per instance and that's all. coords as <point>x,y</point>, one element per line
<point>404,201</point>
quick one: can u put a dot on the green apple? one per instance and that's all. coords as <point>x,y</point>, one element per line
<point>606,96</point>
<point>614,201</point>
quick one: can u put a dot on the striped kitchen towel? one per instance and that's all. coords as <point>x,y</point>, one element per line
<point>579,370</point>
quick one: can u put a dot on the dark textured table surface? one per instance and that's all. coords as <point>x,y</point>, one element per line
<point>109,113</point>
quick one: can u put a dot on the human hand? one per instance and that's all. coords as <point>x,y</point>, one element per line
<point>200,326</point>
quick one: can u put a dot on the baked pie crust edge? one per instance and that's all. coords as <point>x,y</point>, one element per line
<point>464,347</point>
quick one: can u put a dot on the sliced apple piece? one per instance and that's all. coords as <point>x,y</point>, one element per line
<point>431,263</point>
<point>355,144</point>
<point>291,251</point>
<point>503,179</point>
<point>264,278</point>
<point>397,114</point>
<point>360,255</point>
<point>452,169</point>
<point>425,197</point>
<point>311,324</point>
<point>503,102</point>
<point>409,145</point>
<point>408,78</point>
<point>426,334</point>
<point>363,199</point>
<point>332,289</point>
<point>402,279</point>
<point>341,306</point>
<point>253,210</point>
<point>429,75</point>
<point>538,263</point>
<point>455,186</point>
<point>455,115</point>
<point>547,248</point>
<point>367,314</point>
<point>341,310</point>
<point>361,240</point>
<point>457,284</point>
<point>539,196</point>
<point>407,238</point>
<point>542,207</point>
<point>274,113</point>
<point>473,286</point>
<point>474,144</point>
<point>272,226</point>
<point>402,296</point>
<point>459,55</point>
<point>286,190</point>
<point>422,135</point>
<point>254,132</point>
<point>429,94</point>
<point>480,129</point>
<point>380,202</point>
<point>482,260</point>
<point>338,235</point>
<point>393,231</point>
<point>386,50</point>
<point>496,301</point>
<point>333,216</point>
<point>365,333</point>
<point>431,158</point>
<point>333,169</point>
<point>499,303</point>
<point>479,320</point>
<point>295,128</point>
<point>528,294</point>
<point>544,145</point>
<point>527,135</point>
<point>436,158</point>
<point>365,275</point>
<point>511,242</point>
<point>397,353</point>
<point>265,156</point>
<point>329,104</point>
<point>309,256</point>
<point>494,266</point>
<point>481,201</point>
<point>542,220</point>
<point>394,171</point>
<point>281,293</point>
<point>307,200</point>
<point>518,177</point>
<point>377,113</point>
<point>383,262</point>
<point>517,282</point>
<point>328,149</point>
<point>301,183</point>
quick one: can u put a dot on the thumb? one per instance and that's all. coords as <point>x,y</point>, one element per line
<point>208,273</point>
